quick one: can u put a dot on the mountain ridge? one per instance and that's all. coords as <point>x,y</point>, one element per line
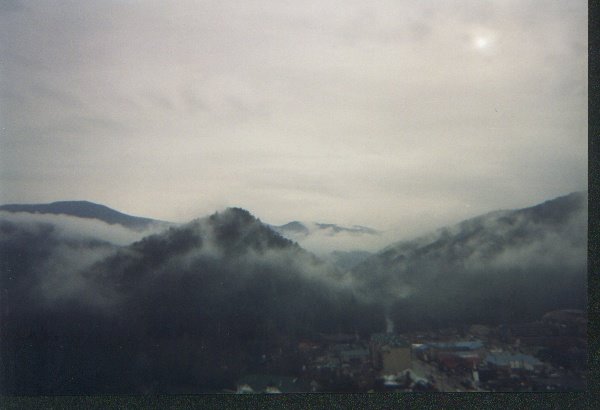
<point>203,302</point>
<point>301,228</point>
<point>87,210</point>
<point>537,255</point>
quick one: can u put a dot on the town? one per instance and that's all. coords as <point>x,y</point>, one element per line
<point>549,354</point>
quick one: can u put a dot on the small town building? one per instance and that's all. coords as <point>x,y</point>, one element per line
<point>480,331</point>
<point>355,357</point>
<point>267,383</point>
<point>390,353</point>
<point>569,321</point>
<point>458,360</point>
<point>306,346</point>
<point>339,338</point>
<point>509,362</point>
<point>452,354</point>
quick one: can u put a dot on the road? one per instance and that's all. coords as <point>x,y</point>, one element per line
<point>442,380</point>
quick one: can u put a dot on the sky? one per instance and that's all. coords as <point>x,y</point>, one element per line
<point>390,114</point>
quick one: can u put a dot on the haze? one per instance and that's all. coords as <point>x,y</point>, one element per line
<point>389,114</point>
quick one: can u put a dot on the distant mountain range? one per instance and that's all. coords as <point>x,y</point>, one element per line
<point>309,234</point>
<point>344,246</point>
<point>346,260</point>
<point>296,228</point>
<point>200,303</point>
<point>85,209</point>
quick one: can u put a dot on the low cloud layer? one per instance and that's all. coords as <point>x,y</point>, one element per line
<point>322,239</point>
<point>55,251</point>
<point>68,227</point>
<point>502,267</point>
<point>199,304</point>
<point>194,305</point>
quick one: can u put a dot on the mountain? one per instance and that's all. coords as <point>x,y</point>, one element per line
<point>324,238</point>
<point>292,228</point>
<point>345,260</point>
<point>354,229</point>
<point>84,209</point>
<point>296,228</point>
<point>505,266</point>
<point>197,305</point>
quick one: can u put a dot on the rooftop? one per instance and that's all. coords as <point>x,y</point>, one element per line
<point>354,353</point>
<point>390,339</point>
<point>460,345</point>
<point>260,383</point>
<point>505,359</point>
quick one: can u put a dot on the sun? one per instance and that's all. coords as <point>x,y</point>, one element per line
<point>481,42</point>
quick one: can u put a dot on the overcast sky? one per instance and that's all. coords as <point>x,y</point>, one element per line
<point>406,114</point>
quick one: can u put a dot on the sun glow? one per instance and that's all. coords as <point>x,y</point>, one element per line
<point>482,42</point>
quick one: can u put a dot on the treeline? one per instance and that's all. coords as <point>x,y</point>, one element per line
<point>193,306</point>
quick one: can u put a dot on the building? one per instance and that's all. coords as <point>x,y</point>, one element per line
<point>355,357</point>
<point>308,346</point>
<point>508,362</point>
<point>463,361</point>
<point>559,329</point>
<point>265,383</point>
<point>338,338</point>
<point>569,321</point>
<point>480,331</point>
<point>565,316</point>
<point>390,353</point>
<point>533,333</point>
<point>458,346</point>
<point>452,354</point>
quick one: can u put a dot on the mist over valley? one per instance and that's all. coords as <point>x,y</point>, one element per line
<point>91,306</point>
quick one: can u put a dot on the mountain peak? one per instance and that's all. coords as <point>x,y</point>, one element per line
<point>233,214</point>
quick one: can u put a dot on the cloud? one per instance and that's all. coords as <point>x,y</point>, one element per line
<point>67,227</point>
<point>211,292</point>
<point>532,259</point>
<point>10,6</point>
<point>323,241</point>
<point>64,248</point>
<point>351,113</point>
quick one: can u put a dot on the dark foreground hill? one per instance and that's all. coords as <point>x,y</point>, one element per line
<point>191,308</point>
<point>506,266</point>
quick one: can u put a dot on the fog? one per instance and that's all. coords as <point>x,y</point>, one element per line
<point>200,303</point>
<point>81,228</point>
<point>510,265</point>
<point>321,242</point>
<point>219,291</point>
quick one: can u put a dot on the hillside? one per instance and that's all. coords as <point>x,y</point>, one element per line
<point>505,266</point>
<point>202,303</point>
<point>196,305</point>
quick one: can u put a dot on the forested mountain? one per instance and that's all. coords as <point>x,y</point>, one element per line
<point>505,266</point>
<point>196,305</point>
<point>88,308</point>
